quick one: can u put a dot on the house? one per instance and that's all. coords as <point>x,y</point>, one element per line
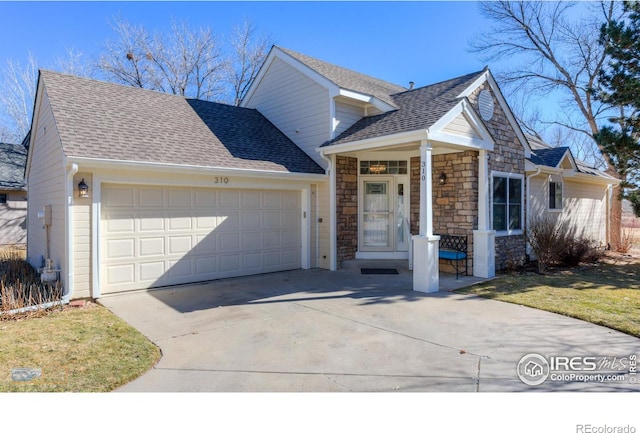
<point>13,194</point>
<point>133,189</point>
<point>568,190</point>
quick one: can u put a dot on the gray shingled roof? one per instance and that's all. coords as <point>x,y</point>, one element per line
<point>113,122</point>
<point>417,109</point>
<point>550,157</point>
<point>543,154</point>
<point>13,158</point>
<point>348,79</point>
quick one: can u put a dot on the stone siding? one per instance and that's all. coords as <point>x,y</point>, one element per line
<point>508,157</point>
<point>346,207</point>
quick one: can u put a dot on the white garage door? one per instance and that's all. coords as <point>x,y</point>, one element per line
<point>158,236</point>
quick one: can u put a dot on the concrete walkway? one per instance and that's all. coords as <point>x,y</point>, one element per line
<point>342,331</point>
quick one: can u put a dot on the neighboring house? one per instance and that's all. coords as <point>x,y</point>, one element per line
<point>567,189</point>
<point>320,165</point>
<point>13,194</point>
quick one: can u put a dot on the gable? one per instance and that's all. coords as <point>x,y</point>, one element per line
<point>460,125</point>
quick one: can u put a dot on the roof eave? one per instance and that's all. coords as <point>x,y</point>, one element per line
<point>99,163</point>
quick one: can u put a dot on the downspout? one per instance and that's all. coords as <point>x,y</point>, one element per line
<point>333,265</point>
<point>68,213</point>
<point>528,207</point>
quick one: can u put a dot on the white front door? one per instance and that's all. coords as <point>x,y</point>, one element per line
<point>384,214</point>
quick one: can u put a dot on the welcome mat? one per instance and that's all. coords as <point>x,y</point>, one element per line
<point>379,271</point>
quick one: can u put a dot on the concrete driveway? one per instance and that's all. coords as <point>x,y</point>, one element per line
<point>341,331</point>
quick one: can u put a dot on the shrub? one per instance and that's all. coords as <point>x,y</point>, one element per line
<point>20,284</point>
<point>555,242</point>
<point>543,235</point>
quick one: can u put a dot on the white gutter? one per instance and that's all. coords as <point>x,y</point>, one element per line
<point>333,263</point>
<point>528,198</point>
<point>68,214</point>
<point>195,169</point>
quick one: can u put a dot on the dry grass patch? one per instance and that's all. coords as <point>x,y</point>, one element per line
<point>607,293</point>
<point>76,350</point>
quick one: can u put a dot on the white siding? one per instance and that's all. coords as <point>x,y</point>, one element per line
<point>347,115</point>
<point>324,227</point>
<point>461,126</point>
<point>82,240</point>
<point>296,105</point>
<point>46,186</point>
<point>13,218</point>
<point>584,206</point>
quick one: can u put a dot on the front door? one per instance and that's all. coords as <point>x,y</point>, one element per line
<point>384,224</point>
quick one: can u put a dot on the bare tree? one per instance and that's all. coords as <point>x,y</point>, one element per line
<point>16,98</point>
<point>552,50</point>
<point>248,51</point>
<point>185,61</point>
<point>18,88</point>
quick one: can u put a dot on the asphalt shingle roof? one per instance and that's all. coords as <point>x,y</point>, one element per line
<point>544,154</point>
<point>109,121</point>
<point>417,109</point>
<point>550,157</point>
<point>13,158</point>
<point>348,79</point>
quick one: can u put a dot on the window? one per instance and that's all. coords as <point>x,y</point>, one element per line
<point>555,195</point>
<point>3,198</point>
<point>383,167</point>
<point>507,203</point>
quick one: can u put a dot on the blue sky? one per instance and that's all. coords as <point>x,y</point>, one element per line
<point>400,42</point>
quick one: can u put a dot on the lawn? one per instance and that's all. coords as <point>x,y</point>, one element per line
<point>85,349</point>
<point>607,293</point>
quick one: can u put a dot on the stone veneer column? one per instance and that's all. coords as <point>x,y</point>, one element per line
<point>346,208</point>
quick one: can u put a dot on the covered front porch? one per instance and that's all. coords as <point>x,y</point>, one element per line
<point>393,196</point>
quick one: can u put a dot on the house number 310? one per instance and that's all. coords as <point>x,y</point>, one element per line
<point>424,171</point>
<point>220,179</point>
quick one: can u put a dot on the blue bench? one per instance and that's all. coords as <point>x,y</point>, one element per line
<point>454,249</point>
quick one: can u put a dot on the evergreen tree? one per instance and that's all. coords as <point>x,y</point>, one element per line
<point>620,87</point>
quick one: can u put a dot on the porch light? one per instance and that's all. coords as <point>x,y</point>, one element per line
<point>442,179</point>
<point>377,168</point>
<point>83,189</point>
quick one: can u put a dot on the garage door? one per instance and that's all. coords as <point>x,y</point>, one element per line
<point>158,236</point>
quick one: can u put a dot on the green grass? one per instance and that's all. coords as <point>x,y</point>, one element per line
<point>607,294</point>
<point>77,350</point>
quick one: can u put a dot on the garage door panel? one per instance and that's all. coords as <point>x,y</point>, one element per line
<point>171,235</point>
<point>121,274</point>
<point>229,241</point>
<point>230,263</point>
<point>120,248</point>
<point>180,244</point>
<point>206,198</point>
<point>251,240</point>
<point>228,222</point>
<point>250,199</point>
<point>152,246</point>
<point>119,197</point>
<point>151,271</point>
<point>120,222</point>
<point>151,221</point>
<point>229,199</point>
<point>179,198</point>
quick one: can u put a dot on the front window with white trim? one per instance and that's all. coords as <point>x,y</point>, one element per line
<point>508,203</point>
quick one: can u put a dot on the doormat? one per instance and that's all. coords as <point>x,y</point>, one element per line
<point>378,271</point>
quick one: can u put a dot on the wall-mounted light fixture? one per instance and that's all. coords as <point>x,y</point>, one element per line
<point>442,179</point>
<point>83,189</point>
